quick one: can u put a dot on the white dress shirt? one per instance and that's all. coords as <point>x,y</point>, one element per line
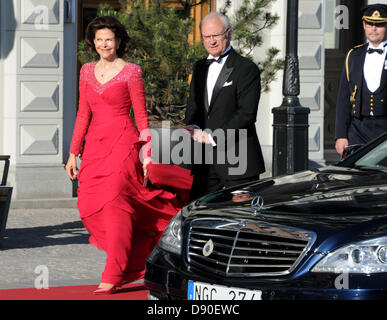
<point>373,67</point>
<point>213,73</point>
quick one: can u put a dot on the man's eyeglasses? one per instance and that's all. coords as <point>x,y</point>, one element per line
<point>214,36</point>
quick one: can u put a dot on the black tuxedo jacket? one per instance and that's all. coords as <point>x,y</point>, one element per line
<point>349,99</point>
<point>234,105</point>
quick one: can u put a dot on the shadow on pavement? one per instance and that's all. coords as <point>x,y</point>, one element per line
<point>34,237</point>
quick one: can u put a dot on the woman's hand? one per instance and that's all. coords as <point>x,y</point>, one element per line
<point>71,167</point>
<point>145,164</point>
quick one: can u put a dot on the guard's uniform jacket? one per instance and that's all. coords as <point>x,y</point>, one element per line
<point>361,115</point>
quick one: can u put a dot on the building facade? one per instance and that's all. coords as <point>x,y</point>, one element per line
<point>39,75</point>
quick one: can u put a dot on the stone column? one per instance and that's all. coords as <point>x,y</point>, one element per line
<point>32,47</point>
<point>311,25</point>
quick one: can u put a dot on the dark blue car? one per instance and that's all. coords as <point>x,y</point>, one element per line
<point>318,234</point>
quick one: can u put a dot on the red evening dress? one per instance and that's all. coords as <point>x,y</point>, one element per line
<point>123,217</point>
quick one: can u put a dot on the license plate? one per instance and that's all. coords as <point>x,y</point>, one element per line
<point>205,291</point>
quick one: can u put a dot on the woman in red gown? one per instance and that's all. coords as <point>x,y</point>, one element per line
<point>123,217</point>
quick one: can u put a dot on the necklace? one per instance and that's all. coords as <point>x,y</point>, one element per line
<point>106,70</point>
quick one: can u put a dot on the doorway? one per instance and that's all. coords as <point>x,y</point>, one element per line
<point>87,11</point>
<point>337,43</point>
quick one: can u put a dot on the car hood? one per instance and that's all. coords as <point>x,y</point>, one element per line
<point>329,193</point>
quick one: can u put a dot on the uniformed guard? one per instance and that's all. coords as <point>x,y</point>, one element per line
<point>361,111</point>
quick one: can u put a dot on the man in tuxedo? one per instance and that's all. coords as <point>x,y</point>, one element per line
<point>361,111</point>
<point>222,107</point>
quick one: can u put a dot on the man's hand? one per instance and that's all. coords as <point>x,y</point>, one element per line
<point>341,144</point>
<point>201,136</point>
<point>198,134</point>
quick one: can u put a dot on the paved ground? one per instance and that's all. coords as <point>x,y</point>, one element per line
<point>53,240</point>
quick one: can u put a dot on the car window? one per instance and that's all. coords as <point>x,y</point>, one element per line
<point>377,157</point>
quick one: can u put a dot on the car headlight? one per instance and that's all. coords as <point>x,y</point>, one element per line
<point>362,257</point>
<point>171,238</point>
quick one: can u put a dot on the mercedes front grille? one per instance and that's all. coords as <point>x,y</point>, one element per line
<point>246,248</point>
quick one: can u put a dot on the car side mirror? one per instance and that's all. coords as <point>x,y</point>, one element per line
<point>349,150</point>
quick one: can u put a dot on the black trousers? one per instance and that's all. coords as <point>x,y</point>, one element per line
<point>206,180</point>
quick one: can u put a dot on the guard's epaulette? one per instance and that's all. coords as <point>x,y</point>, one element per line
<point>347,58</point>
<point>360,45</point>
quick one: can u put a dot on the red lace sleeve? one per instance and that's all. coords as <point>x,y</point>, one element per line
<point>83,115</point>
<point>137,96</point>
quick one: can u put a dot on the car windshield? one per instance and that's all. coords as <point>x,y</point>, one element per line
<point>377,157</point>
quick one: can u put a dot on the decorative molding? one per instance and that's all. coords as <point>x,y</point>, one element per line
<point>310,15</point>
<point>39,96</point>
<point>310,55</point>
<point>39,139</point>
<point>311,96</point>
<point>39,52</point>
<point>40,12</point>
<point>314,137</point>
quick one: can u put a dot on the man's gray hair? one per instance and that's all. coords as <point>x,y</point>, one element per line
<point>214,14</point>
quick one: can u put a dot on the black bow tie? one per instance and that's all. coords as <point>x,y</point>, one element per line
<point>370,50</point>
<point>219,60</point>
